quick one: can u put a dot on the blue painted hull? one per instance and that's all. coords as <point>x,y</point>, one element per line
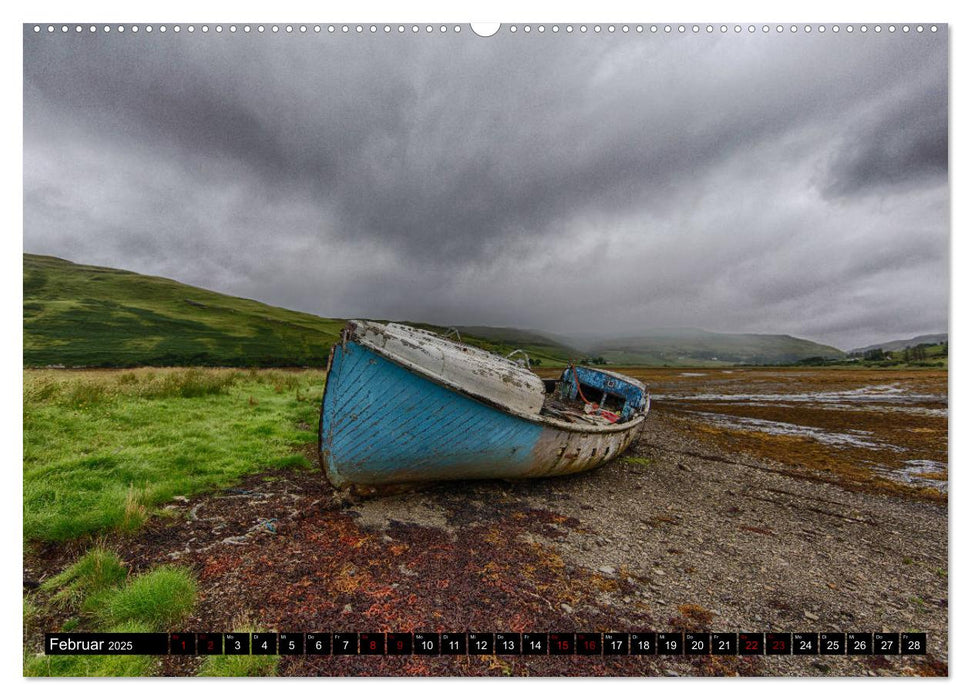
<point>382,423</point>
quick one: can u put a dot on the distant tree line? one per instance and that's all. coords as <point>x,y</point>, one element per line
<point>874,355</point>
<point>924,354</point>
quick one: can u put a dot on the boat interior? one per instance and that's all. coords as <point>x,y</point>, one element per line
<point>586,395</point>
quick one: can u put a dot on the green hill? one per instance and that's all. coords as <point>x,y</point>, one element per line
<point>87,316</point>
<point>693,347</point>
<point>891,345</point>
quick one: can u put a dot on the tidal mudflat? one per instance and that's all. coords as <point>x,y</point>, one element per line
<point>877,429</point>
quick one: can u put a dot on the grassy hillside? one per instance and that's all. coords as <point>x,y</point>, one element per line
<point>691,347</point>
<point>890,345</point>
<point>86,316</point>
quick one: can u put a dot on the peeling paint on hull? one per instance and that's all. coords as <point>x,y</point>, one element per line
<point>384,423</point>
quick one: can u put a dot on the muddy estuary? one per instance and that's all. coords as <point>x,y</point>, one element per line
<point>879,428</point>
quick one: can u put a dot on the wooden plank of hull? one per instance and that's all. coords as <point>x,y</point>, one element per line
<point>384,424</point>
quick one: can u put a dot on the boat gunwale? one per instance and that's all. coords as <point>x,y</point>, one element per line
<point>545,421</point>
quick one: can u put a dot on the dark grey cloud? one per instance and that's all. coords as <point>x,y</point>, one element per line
<point>904,144</point>
<point>574,183</point>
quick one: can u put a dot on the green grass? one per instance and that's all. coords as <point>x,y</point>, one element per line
<point>160,599</point>
<point>242,665</point>
<point>97,571</point>
<point>239,666</point>
<point>98,592</point>
<point>97,588</point>
<point>103,448</point>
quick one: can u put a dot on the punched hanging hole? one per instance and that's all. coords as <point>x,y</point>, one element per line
<point>485,29</point>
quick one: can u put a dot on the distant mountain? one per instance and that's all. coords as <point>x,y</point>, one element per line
<point>536,343</point>
<point>931,339</point>
<point>692,346</point>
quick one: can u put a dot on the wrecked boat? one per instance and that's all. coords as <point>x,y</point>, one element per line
<point>403,404</point>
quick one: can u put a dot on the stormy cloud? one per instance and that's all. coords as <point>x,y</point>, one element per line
<point>575,183</point>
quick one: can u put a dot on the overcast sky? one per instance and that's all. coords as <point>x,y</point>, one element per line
<point>610,184</point>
